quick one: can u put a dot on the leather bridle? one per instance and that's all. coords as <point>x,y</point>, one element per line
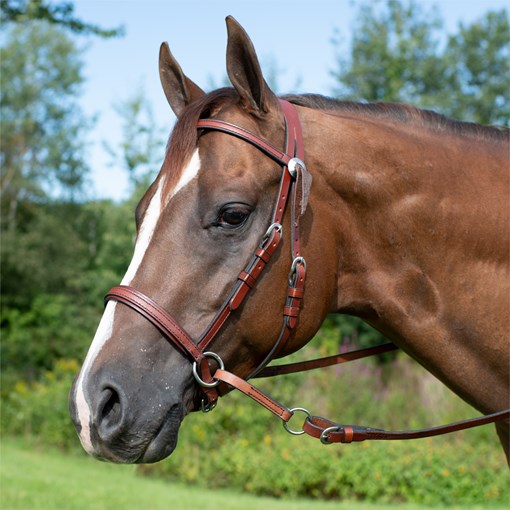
<point>294,189</point>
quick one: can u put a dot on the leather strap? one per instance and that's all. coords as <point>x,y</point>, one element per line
<point>254,393</point>
<point>330,432</point>
<point>157,316</point>
<point>302,366</point>
<point>226,127</point>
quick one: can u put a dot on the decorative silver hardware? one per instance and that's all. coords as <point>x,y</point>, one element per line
<point>206,408</point>
<point>293,165</point>
<point>295,262</point>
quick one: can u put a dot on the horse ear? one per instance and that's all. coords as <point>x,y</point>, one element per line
<point>180,91</point>
<point>244,70</point>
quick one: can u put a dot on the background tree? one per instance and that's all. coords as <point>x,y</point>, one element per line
<point>43,169</point>
<point>399,53</point>
<point>60,13</point>
<point>42,154</point>
<point>479,63</point>
<point>141,150</point>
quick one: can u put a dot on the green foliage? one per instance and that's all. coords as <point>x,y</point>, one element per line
<point>398,54</point>
<point>479,57</point>
<point>36,339</point>
<point>42,257</point>
<point>59,253</point>
<point>39,409</point>
<point>142,147</point>
<point>52,295</point>
<point>20,11</point>
<point>394,54</point>
<point>428,473</point>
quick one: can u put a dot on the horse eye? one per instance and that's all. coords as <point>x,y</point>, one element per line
<point>233,216</point>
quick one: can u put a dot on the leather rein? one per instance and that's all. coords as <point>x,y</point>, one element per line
<point>293,189</point>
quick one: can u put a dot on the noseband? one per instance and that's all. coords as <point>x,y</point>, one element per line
<point>294,189</point>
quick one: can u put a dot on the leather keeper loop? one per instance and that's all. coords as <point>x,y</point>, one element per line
<point>348,435</point>
<point>296,293</point>
<point>262,254</point>
<point>291,311</point>
<point>247,278</point>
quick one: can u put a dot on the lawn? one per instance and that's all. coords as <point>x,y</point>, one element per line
<point>36,479</point>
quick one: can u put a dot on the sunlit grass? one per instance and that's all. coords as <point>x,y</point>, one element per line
<point>50,480</point>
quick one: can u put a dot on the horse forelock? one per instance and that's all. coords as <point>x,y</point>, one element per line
<point>183,140</point>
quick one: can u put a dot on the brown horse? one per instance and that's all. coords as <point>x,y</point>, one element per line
<point>406,225</point>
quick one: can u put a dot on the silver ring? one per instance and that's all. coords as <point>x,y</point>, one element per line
<point>293,164</point>
<point>199,379</point>
<point>286,425</point>
<point>325,435</point>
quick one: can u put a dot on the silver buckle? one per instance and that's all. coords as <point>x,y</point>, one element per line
<point>273,226</point>
<point>325,435</point>
<point>292,272</point>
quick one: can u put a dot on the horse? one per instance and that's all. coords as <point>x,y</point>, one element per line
<point>396,215</point>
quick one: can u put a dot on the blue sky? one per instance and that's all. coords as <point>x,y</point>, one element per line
<point>296,35</point>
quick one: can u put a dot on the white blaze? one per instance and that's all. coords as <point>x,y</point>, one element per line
<point>103,332</point>
<point>190,172</point>
<point>105,327</point>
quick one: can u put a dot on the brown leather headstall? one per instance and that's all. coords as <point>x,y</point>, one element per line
<point>294,183</point>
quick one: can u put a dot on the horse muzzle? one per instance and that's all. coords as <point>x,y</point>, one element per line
<point>114,426</point>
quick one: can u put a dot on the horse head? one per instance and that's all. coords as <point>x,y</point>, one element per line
<point>198,226</point>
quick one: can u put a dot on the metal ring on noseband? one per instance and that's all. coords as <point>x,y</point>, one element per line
<point>325,435</point>
<point>199,379</point>
<point>286,425</point>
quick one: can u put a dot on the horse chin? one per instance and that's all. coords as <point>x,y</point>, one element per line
<point>164,440</point>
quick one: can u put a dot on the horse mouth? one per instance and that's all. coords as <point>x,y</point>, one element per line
<point>164,441</point>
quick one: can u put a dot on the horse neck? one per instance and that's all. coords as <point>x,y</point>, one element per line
<point>416,254</point>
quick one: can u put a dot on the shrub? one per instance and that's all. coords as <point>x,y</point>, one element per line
<point>39,410</point>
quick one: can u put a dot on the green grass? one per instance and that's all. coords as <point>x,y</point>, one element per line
<point>36,479</point>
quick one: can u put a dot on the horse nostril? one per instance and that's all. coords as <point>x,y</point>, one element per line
<point>110,411</point>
